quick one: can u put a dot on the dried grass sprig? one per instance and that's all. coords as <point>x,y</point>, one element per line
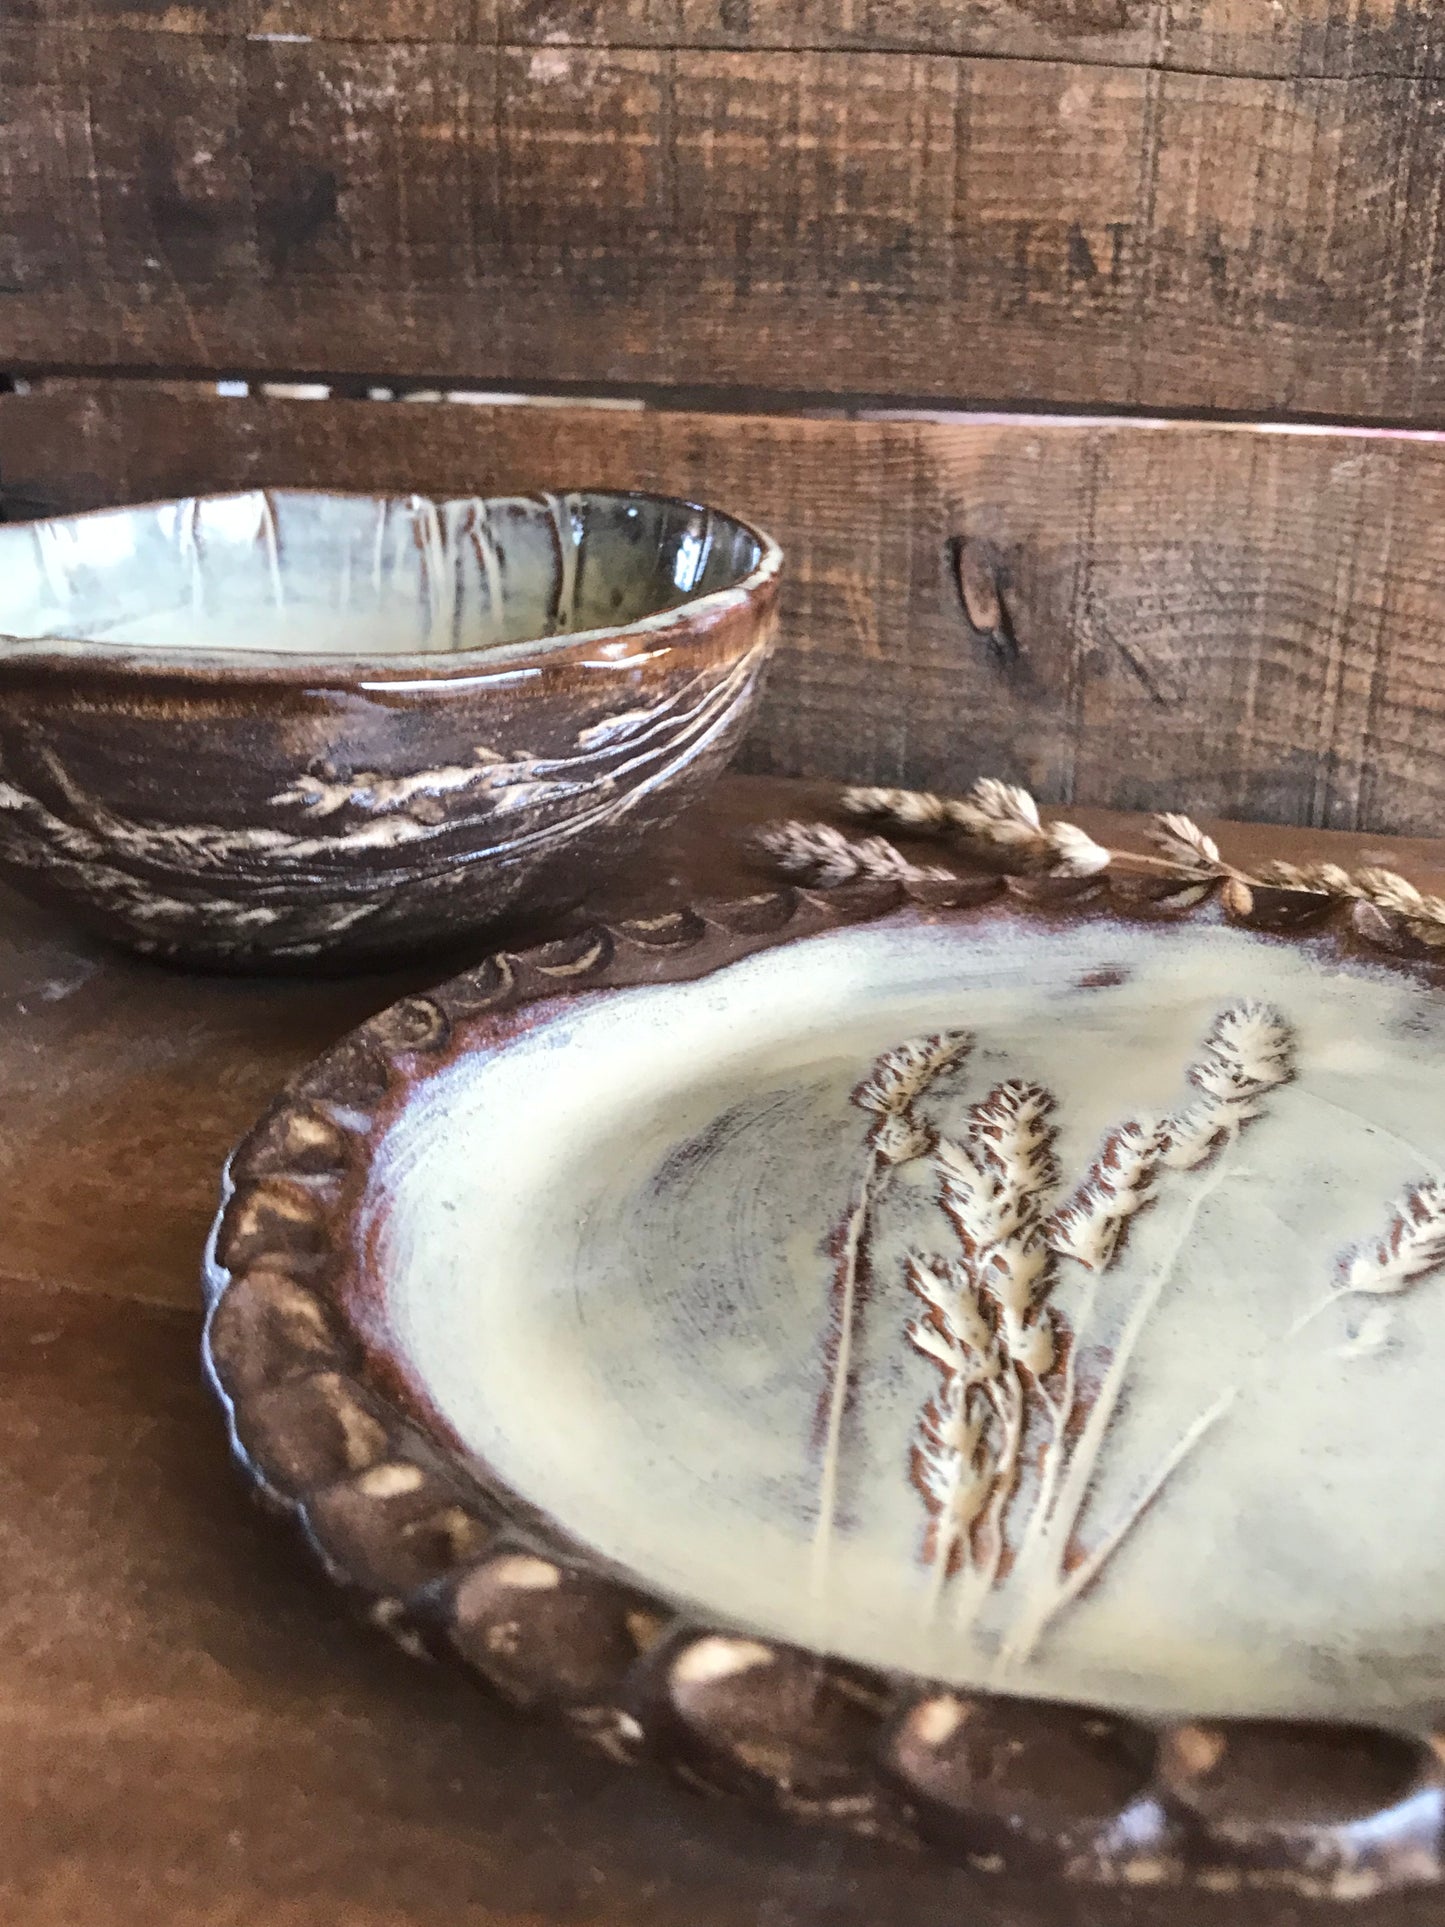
<point>902,1074</point>
<point>895,1082</point>
<point>1422,915</point>
<point>1006,819</point>
<point>1087,1227</point>
<point>993,1183</point>
<point>1181,840</point>
<point>898,1078</point>
<point>955,1463</point>
<point>919,811</point>
<point>999,814</point>
<point>1011,1132</point>
<point>951,1330</point>
<point>1248,1051</point>
<point>982,1326</point>
<point>954,1469</point>
<point>1413,1244</point>
<point>1073,852</point>
<point>817,853</point>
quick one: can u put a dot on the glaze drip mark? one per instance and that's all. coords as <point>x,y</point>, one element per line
<point>1010,1395</point>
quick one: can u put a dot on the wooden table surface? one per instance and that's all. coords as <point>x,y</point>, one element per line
<point>193,1729</point>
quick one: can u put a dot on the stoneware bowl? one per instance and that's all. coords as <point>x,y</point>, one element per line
<point>288,728</point>
<point>958,1361</point>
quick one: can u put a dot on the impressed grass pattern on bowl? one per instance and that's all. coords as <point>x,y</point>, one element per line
<point>283,726</point>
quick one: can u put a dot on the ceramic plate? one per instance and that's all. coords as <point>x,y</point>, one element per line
<point>967,1369</point>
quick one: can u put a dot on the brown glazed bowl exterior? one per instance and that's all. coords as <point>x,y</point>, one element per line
<point>304,759</point>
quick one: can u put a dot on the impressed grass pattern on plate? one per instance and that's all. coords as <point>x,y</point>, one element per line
<point>841,1373</point>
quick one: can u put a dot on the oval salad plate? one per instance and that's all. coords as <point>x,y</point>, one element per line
<point>961,1361</point>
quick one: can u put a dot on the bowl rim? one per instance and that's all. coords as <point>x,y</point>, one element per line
<point>501,663</point>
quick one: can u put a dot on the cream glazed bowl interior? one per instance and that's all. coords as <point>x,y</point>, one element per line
<point>286,727</point>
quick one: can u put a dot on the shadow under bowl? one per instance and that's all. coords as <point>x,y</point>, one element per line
<point>291,729</point>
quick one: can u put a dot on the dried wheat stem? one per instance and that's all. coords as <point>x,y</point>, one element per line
<point>1055,1454</point>
<point>895,1083</point>
<point>817,853</point>
<point>898,1078</point>
<point>1247,1053</point>
<point>842,1372</point>
<point>1412,1245</point>
<point>1007,819</point>
<point>1005,1479</point>
<point>1089,1225</point>
<point>919,811</point>
<point>963,1493</point>
<point>984,1328</point>
<point>1181,842</point>
<point>1084,1458</point>
<point>1087,1229</point>
<point>993,1183</point>
<point>1423,916</point>
<point>1089,1568</point>
<point>998,814</point>
<point>952,1466</point>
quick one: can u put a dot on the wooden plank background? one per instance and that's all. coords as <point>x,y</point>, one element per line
<point>1306,38</point>
<point>1040,230</point>
<point>1193,207</point>
<point>1162,615</point>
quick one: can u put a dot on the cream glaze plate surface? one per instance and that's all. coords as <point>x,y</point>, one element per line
<point>868,1348</point>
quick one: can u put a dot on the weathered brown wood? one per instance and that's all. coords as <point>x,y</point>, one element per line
<point>808,222</point>
<point>1178,615</point>
<point>1306,38</point>
<point>469,22</point>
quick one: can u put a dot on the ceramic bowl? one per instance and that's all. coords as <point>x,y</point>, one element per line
<point>289,728</point>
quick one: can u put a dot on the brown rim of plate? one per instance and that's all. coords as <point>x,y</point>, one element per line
<point>455,1565</point>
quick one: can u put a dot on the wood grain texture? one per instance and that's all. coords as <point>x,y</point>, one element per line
<point>1305,39</point>
<point>1002,231</point>
<point>195,1734</point>
<point>1209,617</point>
